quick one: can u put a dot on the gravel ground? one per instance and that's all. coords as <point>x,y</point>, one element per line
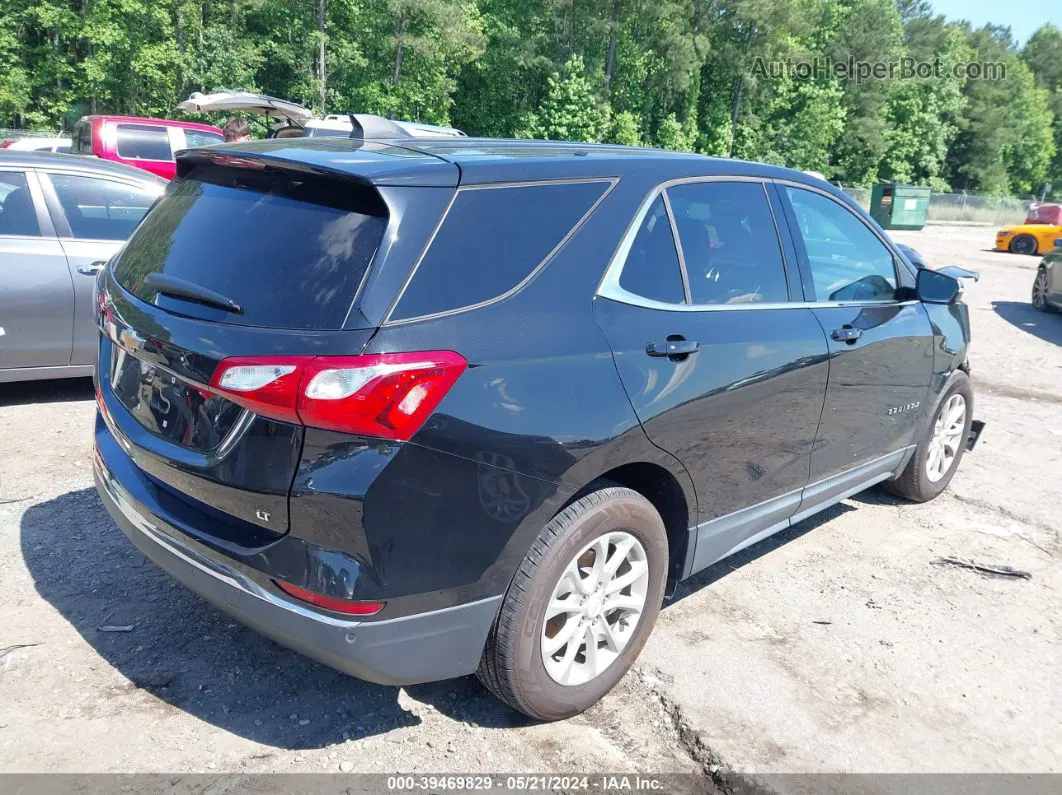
<point>835,647</point>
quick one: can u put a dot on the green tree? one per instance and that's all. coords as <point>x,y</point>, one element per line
<point>1005,139</point>
<point>624,129</point>
<point>1043,55</point>
<point>570,110</point>
<point>866,31</point>
<point>922,115</point>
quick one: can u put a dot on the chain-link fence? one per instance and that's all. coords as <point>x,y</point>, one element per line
<point>11,132</point>
<point>971,208</point>
<point>964,208</point>
<point>860,196</point>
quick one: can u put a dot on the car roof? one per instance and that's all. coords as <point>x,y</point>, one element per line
<point>29,158</point>
<point>467,161</point>
<point>189,125</point>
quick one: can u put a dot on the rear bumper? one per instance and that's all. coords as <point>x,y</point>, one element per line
<point>424,647</point>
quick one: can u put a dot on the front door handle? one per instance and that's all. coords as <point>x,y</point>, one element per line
<point>847,334</point>
<point>672,348</point>
<point>91,269</point>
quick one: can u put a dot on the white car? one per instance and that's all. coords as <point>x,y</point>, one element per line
<point>37,144</point>
<point>335,124</point>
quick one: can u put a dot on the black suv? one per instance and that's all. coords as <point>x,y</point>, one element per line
<point>423,408</point>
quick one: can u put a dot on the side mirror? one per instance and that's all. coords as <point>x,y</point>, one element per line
<point>934,287</point>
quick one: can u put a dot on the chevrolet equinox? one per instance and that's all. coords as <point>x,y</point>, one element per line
<point>419,409</point>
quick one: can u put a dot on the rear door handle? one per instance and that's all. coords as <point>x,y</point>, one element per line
<point>672,348</point>
<point>847,334</point>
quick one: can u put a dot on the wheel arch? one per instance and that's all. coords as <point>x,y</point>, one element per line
<point>663,488</point>
<point>1022,235</point>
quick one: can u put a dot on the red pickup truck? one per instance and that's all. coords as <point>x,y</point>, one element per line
<point>145,143</point>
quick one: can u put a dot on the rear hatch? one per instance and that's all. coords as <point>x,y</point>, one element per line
<point>242,257</point>
<point>245,101</point>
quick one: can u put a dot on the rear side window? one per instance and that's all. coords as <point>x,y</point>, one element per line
<point>18,216</point>
<point>143,142</point>
<point>652,269</point>
<point>491,240</point>
<point>193,138</point>
<point>291,249</point>
<point>729,243</point>
<point>99,209</point>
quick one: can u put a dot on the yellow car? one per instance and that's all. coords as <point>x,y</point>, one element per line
<point>1028,238</point>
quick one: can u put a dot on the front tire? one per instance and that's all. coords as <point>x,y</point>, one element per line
<point>1039,293</point>
<point>1023,244</point>
<point>580,607</point>
<point>943,443</point>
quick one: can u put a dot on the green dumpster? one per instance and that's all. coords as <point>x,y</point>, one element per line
<point>896,206</point>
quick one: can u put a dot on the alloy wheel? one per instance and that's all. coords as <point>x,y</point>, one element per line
<point>595,608</point>
<point>947,438</point>
<point>1039,291</point>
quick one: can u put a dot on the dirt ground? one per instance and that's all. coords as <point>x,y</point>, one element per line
<point>836,647</point>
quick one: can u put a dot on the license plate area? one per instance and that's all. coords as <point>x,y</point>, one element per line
<point>170,407</point>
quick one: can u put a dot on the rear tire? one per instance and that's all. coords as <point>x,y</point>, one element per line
<point>551,599</point>
<point>943,443</point>
<point>1023,244</point>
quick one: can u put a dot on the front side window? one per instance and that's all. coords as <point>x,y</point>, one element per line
<point>99,209</point>
<point>652,268</point>
<point>848,262</point>
<point>18,216</point>
<point>144,142</point>
<point>729,243</point>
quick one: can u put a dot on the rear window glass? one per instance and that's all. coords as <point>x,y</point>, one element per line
<point>493,239</point>
<point>290,250</point>
<point>143,142</point>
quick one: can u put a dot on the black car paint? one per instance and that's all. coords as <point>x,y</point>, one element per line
<point>541,412</point>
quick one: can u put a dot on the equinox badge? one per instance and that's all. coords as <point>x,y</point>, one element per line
<point>906,407</point>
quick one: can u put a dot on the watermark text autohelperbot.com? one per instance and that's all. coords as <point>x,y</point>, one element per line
<point>864,71</point>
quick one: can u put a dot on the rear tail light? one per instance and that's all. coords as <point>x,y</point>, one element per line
<point>101,404</point>
<point>388,395</point>
<point>348,606</point>
<point>7,142</point>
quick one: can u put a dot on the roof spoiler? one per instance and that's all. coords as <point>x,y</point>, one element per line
<point>365,125</point>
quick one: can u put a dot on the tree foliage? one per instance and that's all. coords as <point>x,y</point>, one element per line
<point>683,74</point>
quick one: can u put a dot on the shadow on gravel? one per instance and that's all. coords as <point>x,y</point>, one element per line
<point>57,391</point>
<point>1044,325</point>
<point>195,658</point>
<point>719,570</point>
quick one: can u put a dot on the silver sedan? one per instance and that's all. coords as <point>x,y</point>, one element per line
<point>60,216</point>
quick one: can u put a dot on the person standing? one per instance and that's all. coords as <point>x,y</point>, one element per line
<point>236,129</point>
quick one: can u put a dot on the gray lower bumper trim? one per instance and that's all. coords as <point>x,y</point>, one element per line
<point>425,647</point>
